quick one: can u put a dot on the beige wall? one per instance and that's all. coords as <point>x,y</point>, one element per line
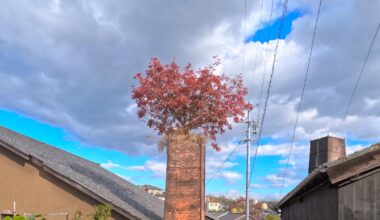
<point>36,191</point>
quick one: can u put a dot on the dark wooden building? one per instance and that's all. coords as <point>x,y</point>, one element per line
<point>339,188</point>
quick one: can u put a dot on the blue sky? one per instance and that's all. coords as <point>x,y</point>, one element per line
<point>68,82</point>
<point>271,31</point>
<point>65,140</point>
<point>61,138</point>
<point>118,161</point>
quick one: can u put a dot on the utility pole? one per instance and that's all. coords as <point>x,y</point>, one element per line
<point>250,124</point>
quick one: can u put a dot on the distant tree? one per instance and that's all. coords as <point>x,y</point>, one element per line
<point>171,99</point>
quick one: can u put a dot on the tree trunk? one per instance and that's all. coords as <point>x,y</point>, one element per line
<point>185,178</point>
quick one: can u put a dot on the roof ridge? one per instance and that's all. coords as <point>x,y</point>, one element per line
<point>47,145</point>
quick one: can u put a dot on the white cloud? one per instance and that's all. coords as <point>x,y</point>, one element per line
<point>277,181</point>
<point>233,194</point>
<point>68,93</point>
<point>353,148</point>
<point>257,186</point>
<point>76,70</point>
<point>229,176</point>
<point>137,168</point>
<point>157,168</point>
<point>109,165</point>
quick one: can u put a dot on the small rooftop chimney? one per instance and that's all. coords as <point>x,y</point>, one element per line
<point>324,150</point>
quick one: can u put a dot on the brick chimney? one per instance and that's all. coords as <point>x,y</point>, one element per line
<point>185,178</point>
<point>324,150</point>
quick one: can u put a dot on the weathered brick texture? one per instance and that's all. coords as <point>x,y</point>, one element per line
<point>185,178</point>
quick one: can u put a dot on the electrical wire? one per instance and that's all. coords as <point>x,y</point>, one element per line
<point>262,86</point>
<point>243,57</point>
<point>255,60</point>
<point>224,162</point>
<point>359,78</point>
<point>267,53</point>
<point>302,95</point>
<point>285,9</point>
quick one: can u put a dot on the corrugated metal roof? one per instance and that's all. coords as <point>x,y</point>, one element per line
<point>89,175</point>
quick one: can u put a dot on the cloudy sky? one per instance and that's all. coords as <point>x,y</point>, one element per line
<point>66,71</point>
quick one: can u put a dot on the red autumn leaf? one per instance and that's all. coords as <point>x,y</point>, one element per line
<point>172,99</point>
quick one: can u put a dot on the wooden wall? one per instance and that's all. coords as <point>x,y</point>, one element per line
<point>360,200</point>
<point>320,204</point>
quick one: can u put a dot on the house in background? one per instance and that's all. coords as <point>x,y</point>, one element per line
<point>158,192</point>
<point>337,187</point>
<point>152,189</point>
<point>237,206</point>
<point>214,204</point>
<point>264,205</point>
<point>38,178</point>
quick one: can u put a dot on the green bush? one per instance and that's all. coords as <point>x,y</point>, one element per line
<point>78,215</point>
<point>17,217</point>
<point>102,212</point>
<point>272,217</point>
<point>29,217</point>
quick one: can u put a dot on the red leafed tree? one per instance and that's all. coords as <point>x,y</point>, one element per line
<point>173,99</point>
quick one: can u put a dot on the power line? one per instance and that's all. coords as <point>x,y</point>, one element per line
<point>262,82</point>
<point>255,61</point>
<point>302,95</point>
<point>359,78</point>
<point>243,57</point>
<point>261,91</point>
<point>244,34</point>
<point>285,9</point>
<point>248,116</point>
<point>265,62</point>
<point>225,161</point>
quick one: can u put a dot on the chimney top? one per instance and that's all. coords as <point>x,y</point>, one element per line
<point>324,150</point>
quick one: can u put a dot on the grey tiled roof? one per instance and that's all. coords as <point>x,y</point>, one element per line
<point>216,215</point>
<point>232,216</point>
<point>88,175</point>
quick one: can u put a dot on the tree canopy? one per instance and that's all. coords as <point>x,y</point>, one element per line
<point>172,99</point>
